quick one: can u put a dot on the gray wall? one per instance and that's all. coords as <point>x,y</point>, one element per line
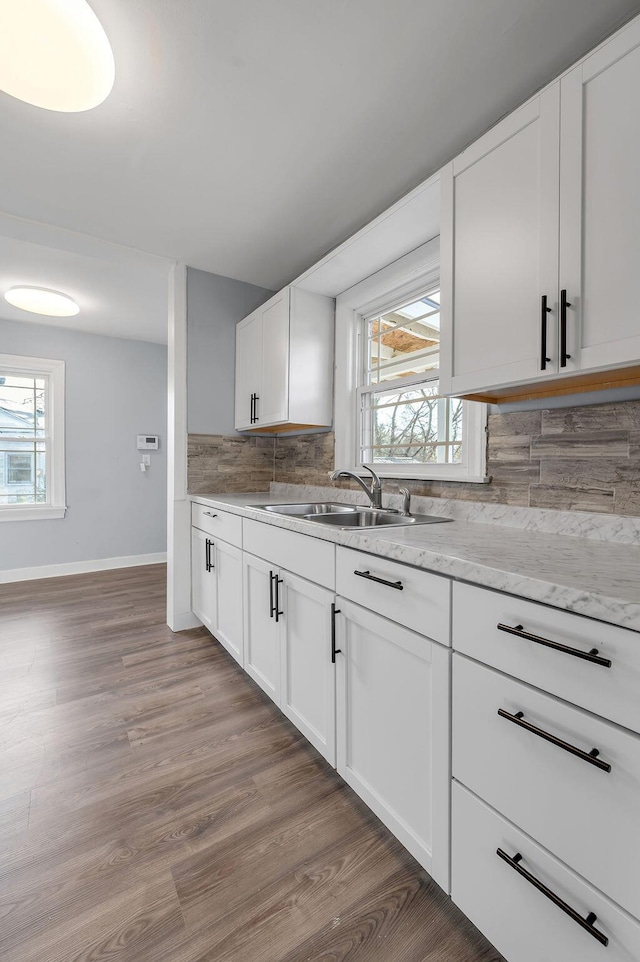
<point>115,389</point>
<point>215,304</point>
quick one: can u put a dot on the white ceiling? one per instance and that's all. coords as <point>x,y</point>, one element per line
<point>248,137</point>
<point>120,292</point>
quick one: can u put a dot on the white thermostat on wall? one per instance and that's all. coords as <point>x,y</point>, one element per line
<point>148,442</point>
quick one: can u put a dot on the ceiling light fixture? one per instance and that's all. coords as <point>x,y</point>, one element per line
<point>39,300</point>
<point>54,54</point>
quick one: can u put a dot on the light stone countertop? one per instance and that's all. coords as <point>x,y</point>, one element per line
<point>599,579</point>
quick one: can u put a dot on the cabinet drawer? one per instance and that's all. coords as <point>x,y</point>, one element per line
<point>227,527</point>
<point>521,922</point>
<point>305,556</point>
<point>611,692</point>
<point>585,815</point>
<point>421,601</point>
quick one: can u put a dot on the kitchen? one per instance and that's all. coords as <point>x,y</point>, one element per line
<point>396,699</point>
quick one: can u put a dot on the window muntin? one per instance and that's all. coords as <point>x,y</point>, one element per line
<point>31,438</point>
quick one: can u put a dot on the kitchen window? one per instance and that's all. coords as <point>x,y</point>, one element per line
<point>389,412</point>
<point>31,438</point>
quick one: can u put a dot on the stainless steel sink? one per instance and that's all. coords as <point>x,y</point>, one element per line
<point>303,510</point>
<point>375,519</point>
<point>348,515</point>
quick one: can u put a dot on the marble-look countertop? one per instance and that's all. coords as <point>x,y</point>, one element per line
<point>595,578</point>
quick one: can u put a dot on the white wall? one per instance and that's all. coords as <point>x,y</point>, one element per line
<point>215,304</point>
<point>115,389</point>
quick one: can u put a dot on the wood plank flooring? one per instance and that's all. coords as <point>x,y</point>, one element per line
<point>156,807</point>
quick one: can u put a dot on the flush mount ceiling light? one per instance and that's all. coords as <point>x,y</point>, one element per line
<point>54,54</point>
<point>39,300</point>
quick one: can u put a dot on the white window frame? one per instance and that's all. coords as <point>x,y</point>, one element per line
<point>53,371</point>
<point>406,278</point>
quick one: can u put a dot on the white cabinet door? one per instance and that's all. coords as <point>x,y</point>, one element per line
<point>393,730</point>
<point>228,625</point>
<point>499,247</point>
<point>308,692</point>
<point>600,205</point>
<point>248,368</point>
<point>273,403</point>
<point>203,579</point>
<point>261,630</point>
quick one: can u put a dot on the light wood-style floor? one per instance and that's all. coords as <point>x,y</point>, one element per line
<point>156,807</point>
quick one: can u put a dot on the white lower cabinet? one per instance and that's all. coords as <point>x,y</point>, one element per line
<point>203,579</point>
<point>228,624</point>
<point>288,648</point>
<point>569,779</point>
<point>308,677</point>
<point>528,903</point>
<point>393,729</point>
<point>216,586</point>
<point>261,631</point>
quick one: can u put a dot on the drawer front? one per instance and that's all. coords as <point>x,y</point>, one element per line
<point>609,692</point>
<point>419,600</point>
<point>308,557</point>
<point>221,524</point>
<point>586,816</point>
<point>524,924</point>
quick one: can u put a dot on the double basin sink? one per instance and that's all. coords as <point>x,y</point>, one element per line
<point>348,516</point>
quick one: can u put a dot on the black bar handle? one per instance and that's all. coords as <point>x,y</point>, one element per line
<point>251,414</point>
<point>334,651</point>
<point>564,304</point>
<point>586,924</point>
<point>207,554</point>
<point>591,656</point>
<point>381,581</point>
<point>544,360</point>
<point>277,582</point>
<point>590,757</point>
<point>272,607</point>
<point>254,408</point>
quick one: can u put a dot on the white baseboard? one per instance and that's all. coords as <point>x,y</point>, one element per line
<point>80,567</point>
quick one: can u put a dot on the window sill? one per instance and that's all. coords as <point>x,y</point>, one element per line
<point>408,476</point>
<point>31,512</point>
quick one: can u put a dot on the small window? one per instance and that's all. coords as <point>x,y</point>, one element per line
<point>31,438</point>
<point>20,469</point>
<point>389,413</point>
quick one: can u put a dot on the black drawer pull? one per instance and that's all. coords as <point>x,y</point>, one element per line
<point>334,651</point>
<point>209,514</point>
<point>544,360</point>
<point>564,304</point>
<point>586,924</point>
<point>590,757</point>
<point>591,656</point>
<point>272,607</point>
<point>381,581</point>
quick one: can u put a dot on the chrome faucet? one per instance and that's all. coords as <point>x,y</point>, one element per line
<point>374,493</point>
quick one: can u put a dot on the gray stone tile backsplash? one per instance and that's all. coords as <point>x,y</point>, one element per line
<point>571,459</point>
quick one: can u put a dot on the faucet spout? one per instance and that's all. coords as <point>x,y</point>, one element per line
<point>374,493</point>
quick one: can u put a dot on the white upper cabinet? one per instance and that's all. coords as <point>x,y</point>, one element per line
<point>600,205</point>
<point>499,249</point>
<point>284,363</point>
<point>540,244</point>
